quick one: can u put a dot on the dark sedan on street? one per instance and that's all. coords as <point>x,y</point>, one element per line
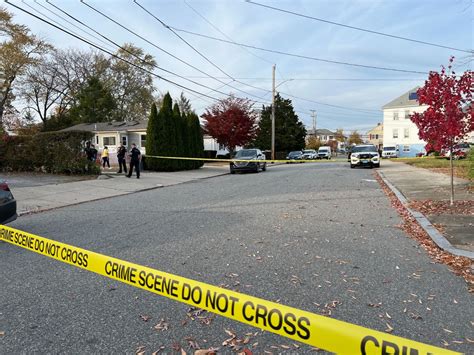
<point>7,204</point>
<point>294,155</point>
<point>253,161</point>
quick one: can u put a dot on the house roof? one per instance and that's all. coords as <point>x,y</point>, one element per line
<point>378,128</point>
<point>321,132</point>
<point>110,126</point>
<point>408,99</point>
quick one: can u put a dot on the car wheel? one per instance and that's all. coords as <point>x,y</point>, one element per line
<point>264,167</point>
<point>352,166</point>
<point>256,167</point>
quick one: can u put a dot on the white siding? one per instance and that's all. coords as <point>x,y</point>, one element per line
<point>402,125</point>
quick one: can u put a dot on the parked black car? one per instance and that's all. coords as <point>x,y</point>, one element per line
<point>7,204</point>
<point>295,155</point>
<point>254,155</point>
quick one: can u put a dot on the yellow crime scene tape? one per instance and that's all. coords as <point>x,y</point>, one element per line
<point>247,160</point>
<point>312,329</point>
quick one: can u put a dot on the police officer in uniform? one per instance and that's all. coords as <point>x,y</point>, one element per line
<point>121,158</point>
<point>134,161</point>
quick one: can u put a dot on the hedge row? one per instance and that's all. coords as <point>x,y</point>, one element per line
<point>49,152</point>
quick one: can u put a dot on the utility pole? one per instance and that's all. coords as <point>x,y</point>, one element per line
<point>273,112</point>
<point>313,114</point>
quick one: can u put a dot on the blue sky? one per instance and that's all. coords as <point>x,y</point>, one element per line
<point>446,22</point>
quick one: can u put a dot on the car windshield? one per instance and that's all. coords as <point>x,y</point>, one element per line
<point>246,153</point>
<point>294,153</point>
<point>364,148</point>
<point>388,148</point>
<point>323,149</point>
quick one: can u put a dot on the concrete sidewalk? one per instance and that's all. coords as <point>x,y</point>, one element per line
<point>418,184</point>
<point>36,198</point>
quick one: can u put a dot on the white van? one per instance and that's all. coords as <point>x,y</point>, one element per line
<point>389,152</point>
<point>324,153</point>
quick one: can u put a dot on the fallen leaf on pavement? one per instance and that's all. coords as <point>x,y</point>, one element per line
<point>162,325</point>
<point>162,347</point>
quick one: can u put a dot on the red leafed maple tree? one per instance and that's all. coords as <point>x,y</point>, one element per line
<point>231,121</point>
<point>449,116</point>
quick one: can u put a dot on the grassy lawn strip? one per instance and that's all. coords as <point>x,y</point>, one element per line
<point>463,168</point>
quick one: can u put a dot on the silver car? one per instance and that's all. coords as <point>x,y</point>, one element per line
<point>310,154</point>
<point>252,161</point>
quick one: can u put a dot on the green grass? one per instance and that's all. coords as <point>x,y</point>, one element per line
<point>463,168</point>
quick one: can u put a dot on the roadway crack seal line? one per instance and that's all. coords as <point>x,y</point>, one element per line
<point>309,328</point>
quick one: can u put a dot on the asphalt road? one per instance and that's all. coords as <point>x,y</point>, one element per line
<point>320,237</point>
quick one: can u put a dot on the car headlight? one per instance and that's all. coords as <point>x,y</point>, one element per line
<point>355,155</point>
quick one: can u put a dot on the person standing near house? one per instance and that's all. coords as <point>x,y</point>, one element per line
<point>121,158</point>
<point>105,157</point>
<point>134,161</point>
<point>94,153</point>
<point>89,152</point>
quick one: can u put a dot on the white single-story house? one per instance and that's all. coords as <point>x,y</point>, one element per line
<point>110,134</point>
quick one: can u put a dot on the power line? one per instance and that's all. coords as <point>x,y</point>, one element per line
<point>331,105</point>
<point>106,51</point>
<point>212,90</point>
<point>298,55</point>
<point>69,22</point>
<point>223,33</point>
<point>315,79</point>
<point>195,50</point>
<point>133,54</point>
<point>166,52</point>
<point>358,28</point>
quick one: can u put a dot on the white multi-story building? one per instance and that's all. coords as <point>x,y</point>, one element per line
<point>398,129</point>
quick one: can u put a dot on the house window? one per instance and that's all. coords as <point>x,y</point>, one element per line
<point>143,140</point>
<point>376,136</point>
<point>109,140</point>
<point>97,140</point>
<point>407,114</point>
<point>395,116</point>
<point>406,148</point>
<point>395,133</point>
<point>124,141</point>
<point>406,133</point>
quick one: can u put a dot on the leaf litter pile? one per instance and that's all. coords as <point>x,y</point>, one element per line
<point>459,265</point>
<point>430,207</point>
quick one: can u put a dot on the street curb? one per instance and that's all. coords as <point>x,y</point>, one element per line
<point>434,234</point>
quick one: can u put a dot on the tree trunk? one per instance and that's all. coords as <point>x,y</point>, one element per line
<point>452,177</point>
